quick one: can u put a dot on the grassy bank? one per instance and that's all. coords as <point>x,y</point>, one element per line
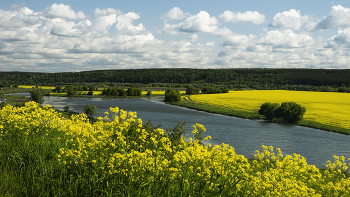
<point>188,103</point>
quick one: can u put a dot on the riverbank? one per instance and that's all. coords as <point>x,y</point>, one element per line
<point>253,115</point>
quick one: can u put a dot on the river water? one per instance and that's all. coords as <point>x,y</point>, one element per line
<point>244,135</point>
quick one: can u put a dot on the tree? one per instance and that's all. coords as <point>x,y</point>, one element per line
<point>149,93</point>
<point>90,110</point>
<point>37,96</point>
<point>66,108</point>
<point>268,109</point>
<point>172,96</point>
<point>191,89</point>
<point>290,112</point>
<point>131,92</point>
<point>138,92</point>
<point>58,89</point>
<point>90,93</point>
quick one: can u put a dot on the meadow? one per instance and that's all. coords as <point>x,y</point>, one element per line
<point>329,108</point>
<point>44,154</point>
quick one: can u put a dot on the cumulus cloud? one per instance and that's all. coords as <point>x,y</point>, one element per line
<point>291,20</point>
<point>106,12</point>
<point>193,38</point>
<point>63,11</point>
<point>124,22</point>
<point>21,17</point>
<point>343,36</point>
<point>105,21</point>
<point>50,41</point>
<point>236,17</point>
<point>174,14</point>
<point>238,40</point>
<point>69,28</point>
<point>286,39</point>
<point>201,22</point>
<point>339,17</point>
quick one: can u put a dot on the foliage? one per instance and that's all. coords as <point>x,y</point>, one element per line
<point>268,109</point>
<point>290,112</point>
<point>58,89</point>
<point>90,110</point>
<point>90,93</point>
<point>134,92</point>
<point>70,90</point>
<point>37,95</point>
<point>42,154</point>
<point>213,90</point>
<point>175,135</point>
<point>149,93</point>
<point>192,90</point>
<point>66,108</point>
<point>172,95</point>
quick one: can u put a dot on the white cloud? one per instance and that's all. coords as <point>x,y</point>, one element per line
<point>343,36</point>
<point>69,28</point>
<point>286,39</point>
<point>106,12</point>
<point>201,22</point>
<point>238,40</point>
<point>21,17</point>
<point>63,11</point>
<point>193,38</point>
<point>174,14</point>
<point>124,22</point>
<point>339,17</point>
<point>236,17</point>
<point>108,39</point>
<point>291,20</point>
<point>104,21</point>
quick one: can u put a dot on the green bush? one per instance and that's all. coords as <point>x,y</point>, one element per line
<point>172,96</point>
<point>290,112</point>
<point>268,109</point>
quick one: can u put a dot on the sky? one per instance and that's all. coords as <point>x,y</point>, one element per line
<point>76,35</point>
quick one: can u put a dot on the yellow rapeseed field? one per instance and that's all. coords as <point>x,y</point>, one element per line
<point>329,108</point>
<point>42,87</point>
<point>160,92</point>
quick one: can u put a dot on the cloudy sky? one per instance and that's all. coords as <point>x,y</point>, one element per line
<point>79,35</point>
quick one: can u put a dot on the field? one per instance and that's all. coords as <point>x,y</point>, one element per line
<point>328,108</point>
<point>43,154</point>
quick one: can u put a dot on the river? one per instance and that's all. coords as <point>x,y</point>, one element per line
<point>244,135</point>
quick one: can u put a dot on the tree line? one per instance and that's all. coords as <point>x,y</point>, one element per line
<point>257,78</point>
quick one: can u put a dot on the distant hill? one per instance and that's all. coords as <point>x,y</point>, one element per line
<point>255,77</point>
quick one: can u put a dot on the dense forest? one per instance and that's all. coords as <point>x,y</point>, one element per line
<point>257,78</point>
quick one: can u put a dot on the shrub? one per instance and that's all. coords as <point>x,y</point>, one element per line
<point>268,109</point>
<point>192,90</point>
<point>149,93</point>
<point>172,96</point>
<point>290,112</point>
<point>37,96</point>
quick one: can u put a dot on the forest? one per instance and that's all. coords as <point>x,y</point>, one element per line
<point>256,78</point>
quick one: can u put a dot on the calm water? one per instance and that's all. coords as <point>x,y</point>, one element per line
<point>245,136</point>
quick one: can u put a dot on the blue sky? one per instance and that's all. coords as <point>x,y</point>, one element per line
<point>76,35</point>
